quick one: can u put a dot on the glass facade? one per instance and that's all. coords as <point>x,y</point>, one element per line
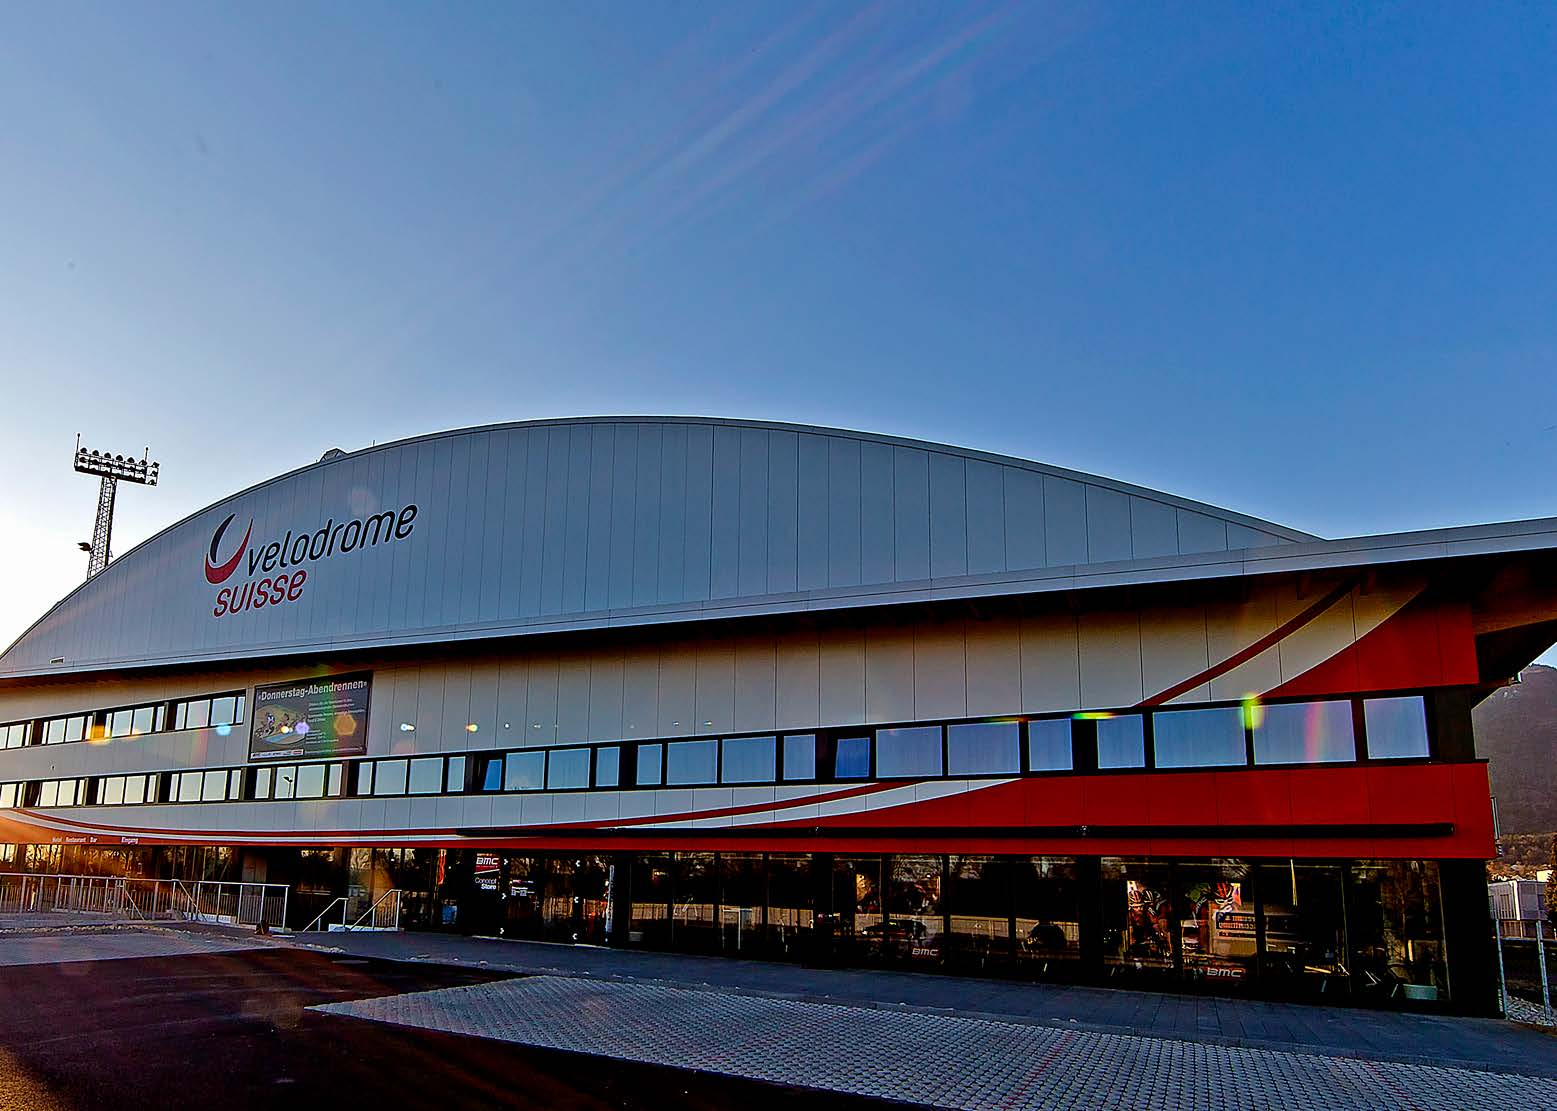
<point>1303,733</point>
<point>984,748</point>
<point>1282,733</point>
<point>1290,928</point>
<point>1207,738</point>
<point>1121,742</point>
<point>1325,930</point>
<point>908,753</point>
<point>1049,745</point>
<point>1396,728</point>
<point>748,760</point>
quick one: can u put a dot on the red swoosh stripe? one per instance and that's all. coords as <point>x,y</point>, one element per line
<point>1243,655</point>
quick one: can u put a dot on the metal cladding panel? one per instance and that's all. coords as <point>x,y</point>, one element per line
<point>647,523</point>
<point>877,532</point>
<point>843,512</point>
<point>1198,532</point>
<point>671,559</point>
<point>1064,522</point>
<point>948,517</point>
<point>567,524</point>
<point>986,517</point>
<point>911,513</point>
<point>752,521</point>
<point>1153,529</point>
<point>782,509</point>
<point>1108,526</point>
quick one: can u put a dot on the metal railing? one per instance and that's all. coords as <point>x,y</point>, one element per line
<point>383,914</point>
<point>134,898</point>
<point>1522,948</point>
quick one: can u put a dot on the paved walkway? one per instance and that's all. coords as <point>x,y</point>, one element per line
<point>1345,1032</point>
<point>934,1059</point>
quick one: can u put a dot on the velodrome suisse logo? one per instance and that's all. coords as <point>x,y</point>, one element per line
<point>281,562</point>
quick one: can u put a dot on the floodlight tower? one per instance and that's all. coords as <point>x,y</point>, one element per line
<point>110,468</point>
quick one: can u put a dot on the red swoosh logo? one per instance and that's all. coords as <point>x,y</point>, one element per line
<point>218,574</point>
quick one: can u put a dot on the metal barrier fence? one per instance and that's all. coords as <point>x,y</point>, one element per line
<point>1525,950</point>
<point>125,897</point>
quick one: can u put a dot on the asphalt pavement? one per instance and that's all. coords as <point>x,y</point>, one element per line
<point>232,1030</point>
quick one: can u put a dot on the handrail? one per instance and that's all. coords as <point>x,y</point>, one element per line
<point>392,897</point>
<point>372,912</point>
<point>341,899</point>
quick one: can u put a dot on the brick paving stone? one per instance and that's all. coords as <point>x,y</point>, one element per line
<point>1335,1031</point>
<point>932,1058</point>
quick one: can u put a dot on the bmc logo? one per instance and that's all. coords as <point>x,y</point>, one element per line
<point>288,554</point>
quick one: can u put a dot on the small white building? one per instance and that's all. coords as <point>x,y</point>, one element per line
<point>1518,899</point>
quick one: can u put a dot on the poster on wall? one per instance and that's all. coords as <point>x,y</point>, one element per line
<point>311,718</point>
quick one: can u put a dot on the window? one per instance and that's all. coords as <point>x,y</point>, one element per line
<point>800,756</point>
<point>145,719</point>
<point>135,790</point>
<point>427,775</point>
<point>1206,738</point>
<point>1396,728</point>
<point>691,762</point>
<point>648,767</point>
<point>15,734</point>
<point>1303,733</point>
<point>364,778</point>
<point>199,713</point>
<point>60,730</point>
<point>195,714</point>
<point>188,787</point>
<point>310,781</point>
<point>454,779</point>
<point>908,752</point>
<point>1048,745</point>
<point>489,773</point>
<point>286,782</point>
<point>119,723</point>
<point>110,791</point>
<point>567,768</point>
<point>1121,742</point>
<point>214,789</point>
<point>8,794</point>
<point>608,766</point>
<point>984,748</point>
<point>749,760</point>
<point>851,759</point>
<point>262,782</point>
<point>226,710</point>
<point>333,787</point>
<point>389,777</point>
<point>524,771</point>
<point>48,793</point>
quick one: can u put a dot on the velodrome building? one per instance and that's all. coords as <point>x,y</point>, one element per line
<point>797,693</point>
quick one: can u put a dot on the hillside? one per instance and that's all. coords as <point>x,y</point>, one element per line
<point>1516,730</point>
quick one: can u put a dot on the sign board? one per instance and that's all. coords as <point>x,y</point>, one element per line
<point>311,718</point>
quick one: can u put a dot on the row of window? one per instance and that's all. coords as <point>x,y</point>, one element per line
<point>220,710</point>
<point>1389,728</point>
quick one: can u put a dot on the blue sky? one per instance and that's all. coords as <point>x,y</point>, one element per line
<point>1294,261</point>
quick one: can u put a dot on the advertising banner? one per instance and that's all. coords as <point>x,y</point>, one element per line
<point>311,718</point>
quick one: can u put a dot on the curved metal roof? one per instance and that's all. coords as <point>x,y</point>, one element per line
<point>590,521</point>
